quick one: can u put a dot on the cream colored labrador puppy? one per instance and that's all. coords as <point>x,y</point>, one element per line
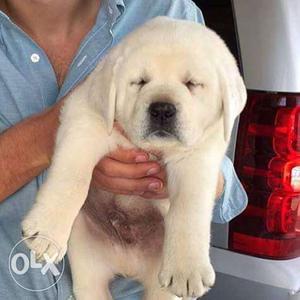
<point>175,88</point>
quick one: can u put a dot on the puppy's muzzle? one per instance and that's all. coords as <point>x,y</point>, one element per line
<point>162,117</point>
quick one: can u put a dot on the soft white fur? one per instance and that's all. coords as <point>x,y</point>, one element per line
<point>168,53</point>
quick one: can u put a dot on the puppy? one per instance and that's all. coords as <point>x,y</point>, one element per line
<point>174,87</point>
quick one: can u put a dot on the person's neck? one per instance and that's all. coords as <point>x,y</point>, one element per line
<point>57,26</point>
<point>51,17</point>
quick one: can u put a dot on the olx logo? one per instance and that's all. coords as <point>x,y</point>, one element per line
<point>28,272</point>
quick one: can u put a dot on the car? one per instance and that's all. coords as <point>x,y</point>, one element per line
<point>257,255</point>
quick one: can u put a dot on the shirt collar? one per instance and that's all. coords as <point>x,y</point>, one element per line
<point>4,17</point>
<point>110,11</point>
<point>117,3</point>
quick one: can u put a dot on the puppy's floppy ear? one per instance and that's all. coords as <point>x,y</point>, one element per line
<point>103,87</point>
<point>233,93</point>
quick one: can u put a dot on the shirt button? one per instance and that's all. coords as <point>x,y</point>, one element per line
<point>35,58</point>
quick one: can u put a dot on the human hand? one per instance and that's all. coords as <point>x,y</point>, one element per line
<point>220,186</point>
<point>130,172</point>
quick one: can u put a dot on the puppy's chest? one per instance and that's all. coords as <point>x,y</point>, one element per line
<point>128,221</point>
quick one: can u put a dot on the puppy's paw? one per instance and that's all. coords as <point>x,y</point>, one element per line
<point>46,234</point>
<point>187,280</point>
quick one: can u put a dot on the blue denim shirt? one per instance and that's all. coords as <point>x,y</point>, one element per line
<point>28,86</point>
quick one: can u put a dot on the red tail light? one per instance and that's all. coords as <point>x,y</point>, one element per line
<point>268,164</point>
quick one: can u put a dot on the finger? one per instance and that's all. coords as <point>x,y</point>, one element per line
<point>162,175</point>
<point>151,195</point>
<point>119,192</point>
<point>129,156</point>
<point>145,195</point>
<point>115,168</point>
<point>128,185</point>
<point>220,186</point>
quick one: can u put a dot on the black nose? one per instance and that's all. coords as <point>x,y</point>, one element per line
<point>162,111</point>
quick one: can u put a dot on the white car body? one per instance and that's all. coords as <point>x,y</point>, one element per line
<point>261,25</point>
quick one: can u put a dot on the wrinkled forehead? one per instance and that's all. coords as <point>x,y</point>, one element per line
<point>167,59</point>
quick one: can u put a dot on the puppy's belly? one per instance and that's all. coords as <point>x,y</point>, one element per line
<point>126,221</point>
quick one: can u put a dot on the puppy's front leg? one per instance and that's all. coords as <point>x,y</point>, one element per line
<point>81,141</point>
<point>186,269</point>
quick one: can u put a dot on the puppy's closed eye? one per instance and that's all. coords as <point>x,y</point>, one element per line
<point>140,82</point>
<point>191,84</point>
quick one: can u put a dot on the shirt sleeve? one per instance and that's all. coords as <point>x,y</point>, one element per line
<point>234,198</point>
<point>193,12</point>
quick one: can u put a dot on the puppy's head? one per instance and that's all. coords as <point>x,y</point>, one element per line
<point>168,82</point>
